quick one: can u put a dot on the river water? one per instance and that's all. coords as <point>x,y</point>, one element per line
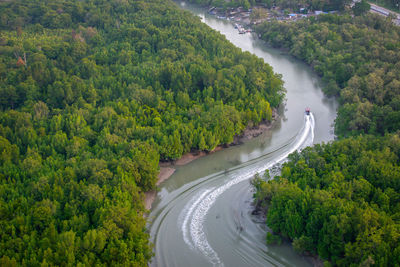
<point>202,214</point>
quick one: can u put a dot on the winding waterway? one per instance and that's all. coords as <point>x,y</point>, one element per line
<point>202,214</point>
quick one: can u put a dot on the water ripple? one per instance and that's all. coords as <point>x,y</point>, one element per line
<point>196,210</point>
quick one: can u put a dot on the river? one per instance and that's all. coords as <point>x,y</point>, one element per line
<point>202,214</point>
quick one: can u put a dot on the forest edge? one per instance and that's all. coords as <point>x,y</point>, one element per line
<point>167,167</point>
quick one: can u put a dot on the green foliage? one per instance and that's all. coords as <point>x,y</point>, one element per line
<point>358,58</point>
<point>273,239</point>
<point>361,8</point>
<point>340,201</point>
<point>246,4</point>
<point>93,94</point>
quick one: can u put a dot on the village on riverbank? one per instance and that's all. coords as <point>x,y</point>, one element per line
<point>244,19</point>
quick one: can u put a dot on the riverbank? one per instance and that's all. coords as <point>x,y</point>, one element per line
<point>167,168</point>
<point>259,215</point>
<point>303,88</point>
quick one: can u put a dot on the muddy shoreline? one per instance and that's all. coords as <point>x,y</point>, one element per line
<point>167,167</point>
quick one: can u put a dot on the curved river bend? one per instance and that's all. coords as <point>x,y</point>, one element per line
<point>202,214</point>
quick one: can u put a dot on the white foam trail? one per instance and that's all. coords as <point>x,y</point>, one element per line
<point>203,205</point>
<point>187,213</point>
<point>198,236</point>
<point>312,129</point>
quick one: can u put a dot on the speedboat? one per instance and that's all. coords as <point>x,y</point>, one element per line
<point>307,111</point>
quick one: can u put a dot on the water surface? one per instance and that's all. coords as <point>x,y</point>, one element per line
<point>202,214</point>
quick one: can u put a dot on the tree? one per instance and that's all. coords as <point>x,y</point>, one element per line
<point>361,7</point>
<point>345,217</point>
<point>109,91</point>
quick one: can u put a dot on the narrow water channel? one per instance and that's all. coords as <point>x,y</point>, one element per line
<point>202,214</point>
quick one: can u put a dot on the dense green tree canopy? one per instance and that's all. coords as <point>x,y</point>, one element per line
<point>340,201</point>
<point>358,58</point>
<point>361,8</point>
<point>93,94</point>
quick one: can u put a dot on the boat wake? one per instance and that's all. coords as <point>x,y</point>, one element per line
<point>192,217</point>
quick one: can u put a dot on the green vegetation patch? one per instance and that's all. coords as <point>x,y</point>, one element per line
<point>339,200</point>
<point>358,58</point>
<point>93,94</point>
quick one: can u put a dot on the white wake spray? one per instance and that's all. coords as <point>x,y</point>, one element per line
<point>197,209</point>
<point>187,212</point>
